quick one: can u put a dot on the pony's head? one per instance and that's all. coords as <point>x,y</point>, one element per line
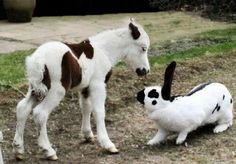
<point>137,50</point>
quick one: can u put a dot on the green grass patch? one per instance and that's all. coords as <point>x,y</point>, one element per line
<point>12,68</point>
<point>204,39</point>
<point>224,41</point>
<point>226,33</point>
<point>194,52</point>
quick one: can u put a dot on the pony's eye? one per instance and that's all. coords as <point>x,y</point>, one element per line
<point>144,49</point>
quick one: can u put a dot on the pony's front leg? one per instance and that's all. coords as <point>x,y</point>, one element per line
<point>98,97</point>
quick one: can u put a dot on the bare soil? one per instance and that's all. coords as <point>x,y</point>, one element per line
<point>126,120</point>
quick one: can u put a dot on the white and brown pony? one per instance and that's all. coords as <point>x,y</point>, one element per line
<point>57,67</point>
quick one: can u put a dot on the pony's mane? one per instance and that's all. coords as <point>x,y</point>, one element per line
<point>110,32</point>
<point>122,32</point>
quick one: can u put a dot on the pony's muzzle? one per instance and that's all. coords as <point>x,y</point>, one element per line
<point>141,72</point>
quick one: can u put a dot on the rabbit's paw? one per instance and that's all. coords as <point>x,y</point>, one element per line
<point>153,142</point>
<point>221,128</point>
<point>181,138</point>
<point>179,141</point>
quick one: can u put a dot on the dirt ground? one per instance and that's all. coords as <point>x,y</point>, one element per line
<point>126,121</point>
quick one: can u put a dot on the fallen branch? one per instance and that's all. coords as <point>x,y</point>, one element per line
<point>12,87</point>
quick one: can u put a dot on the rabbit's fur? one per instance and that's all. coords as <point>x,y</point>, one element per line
<point>204,104</point>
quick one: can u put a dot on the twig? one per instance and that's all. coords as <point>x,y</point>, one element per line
<point>12,87</point>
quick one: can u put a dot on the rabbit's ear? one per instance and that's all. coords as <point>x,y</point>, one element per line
<point>169,73</point>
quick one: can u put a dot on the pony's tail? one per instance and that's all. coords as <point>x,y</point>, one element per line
<point>35,69</point>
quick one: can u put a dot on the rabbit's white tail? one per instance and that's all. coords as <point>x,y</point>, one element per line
<point>35,68</point>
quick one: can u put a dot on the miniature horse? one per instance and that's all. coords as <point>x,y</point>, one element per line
<point>56,67</point>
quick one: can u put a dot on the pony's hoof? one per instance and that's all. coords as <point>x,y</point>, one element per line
<point>19,157</point>
<point>52,158</point>
<point>90,139</point>
<point>113,150</point>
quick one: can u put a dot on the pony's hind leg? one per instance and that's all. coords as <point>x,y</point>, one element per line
<point>41,113</point>
<point>23,109</point>
<point>86,108</point>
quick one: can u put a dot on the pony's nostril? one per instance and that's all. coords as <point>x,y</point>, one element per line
<point>144,70</point>
<point>141,72</point>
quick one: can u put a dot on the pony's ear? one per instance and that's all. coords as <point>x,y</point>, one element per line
<point>169,73</point>
<point>134,31</point>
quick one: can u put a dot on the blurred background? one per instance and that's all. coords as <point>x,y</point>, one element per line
<point>214,9</point>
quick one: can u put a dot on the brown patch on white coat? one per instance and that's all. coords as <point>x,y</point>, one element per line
<point>83,47</point>
<point>71,70</point>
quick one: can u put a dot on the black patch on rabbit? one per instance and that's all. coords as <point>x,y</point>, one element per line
<point>217,108</point>
<point>154,102</point>
<point>173,98</point>
<point>153,94</point>
<point>168,78</point>
<point>200,87</point>
<point>140,96</point>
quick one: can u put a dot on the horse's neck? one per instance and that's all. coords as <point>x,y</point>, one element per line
<point>112,43</point>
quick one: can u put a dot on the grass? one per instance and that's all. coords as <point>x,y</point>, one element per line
<point>167,26</point>
<point>226,33</point>
<point>226,37</point>
<point>194,52</point>
<point>12,70</point>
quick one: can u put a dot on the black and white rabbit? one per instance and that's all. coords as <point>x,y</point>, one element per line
<point>206,103</point>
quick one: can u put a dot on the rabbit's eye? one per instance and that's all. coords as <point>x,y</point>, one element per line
<point>154,102</point>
